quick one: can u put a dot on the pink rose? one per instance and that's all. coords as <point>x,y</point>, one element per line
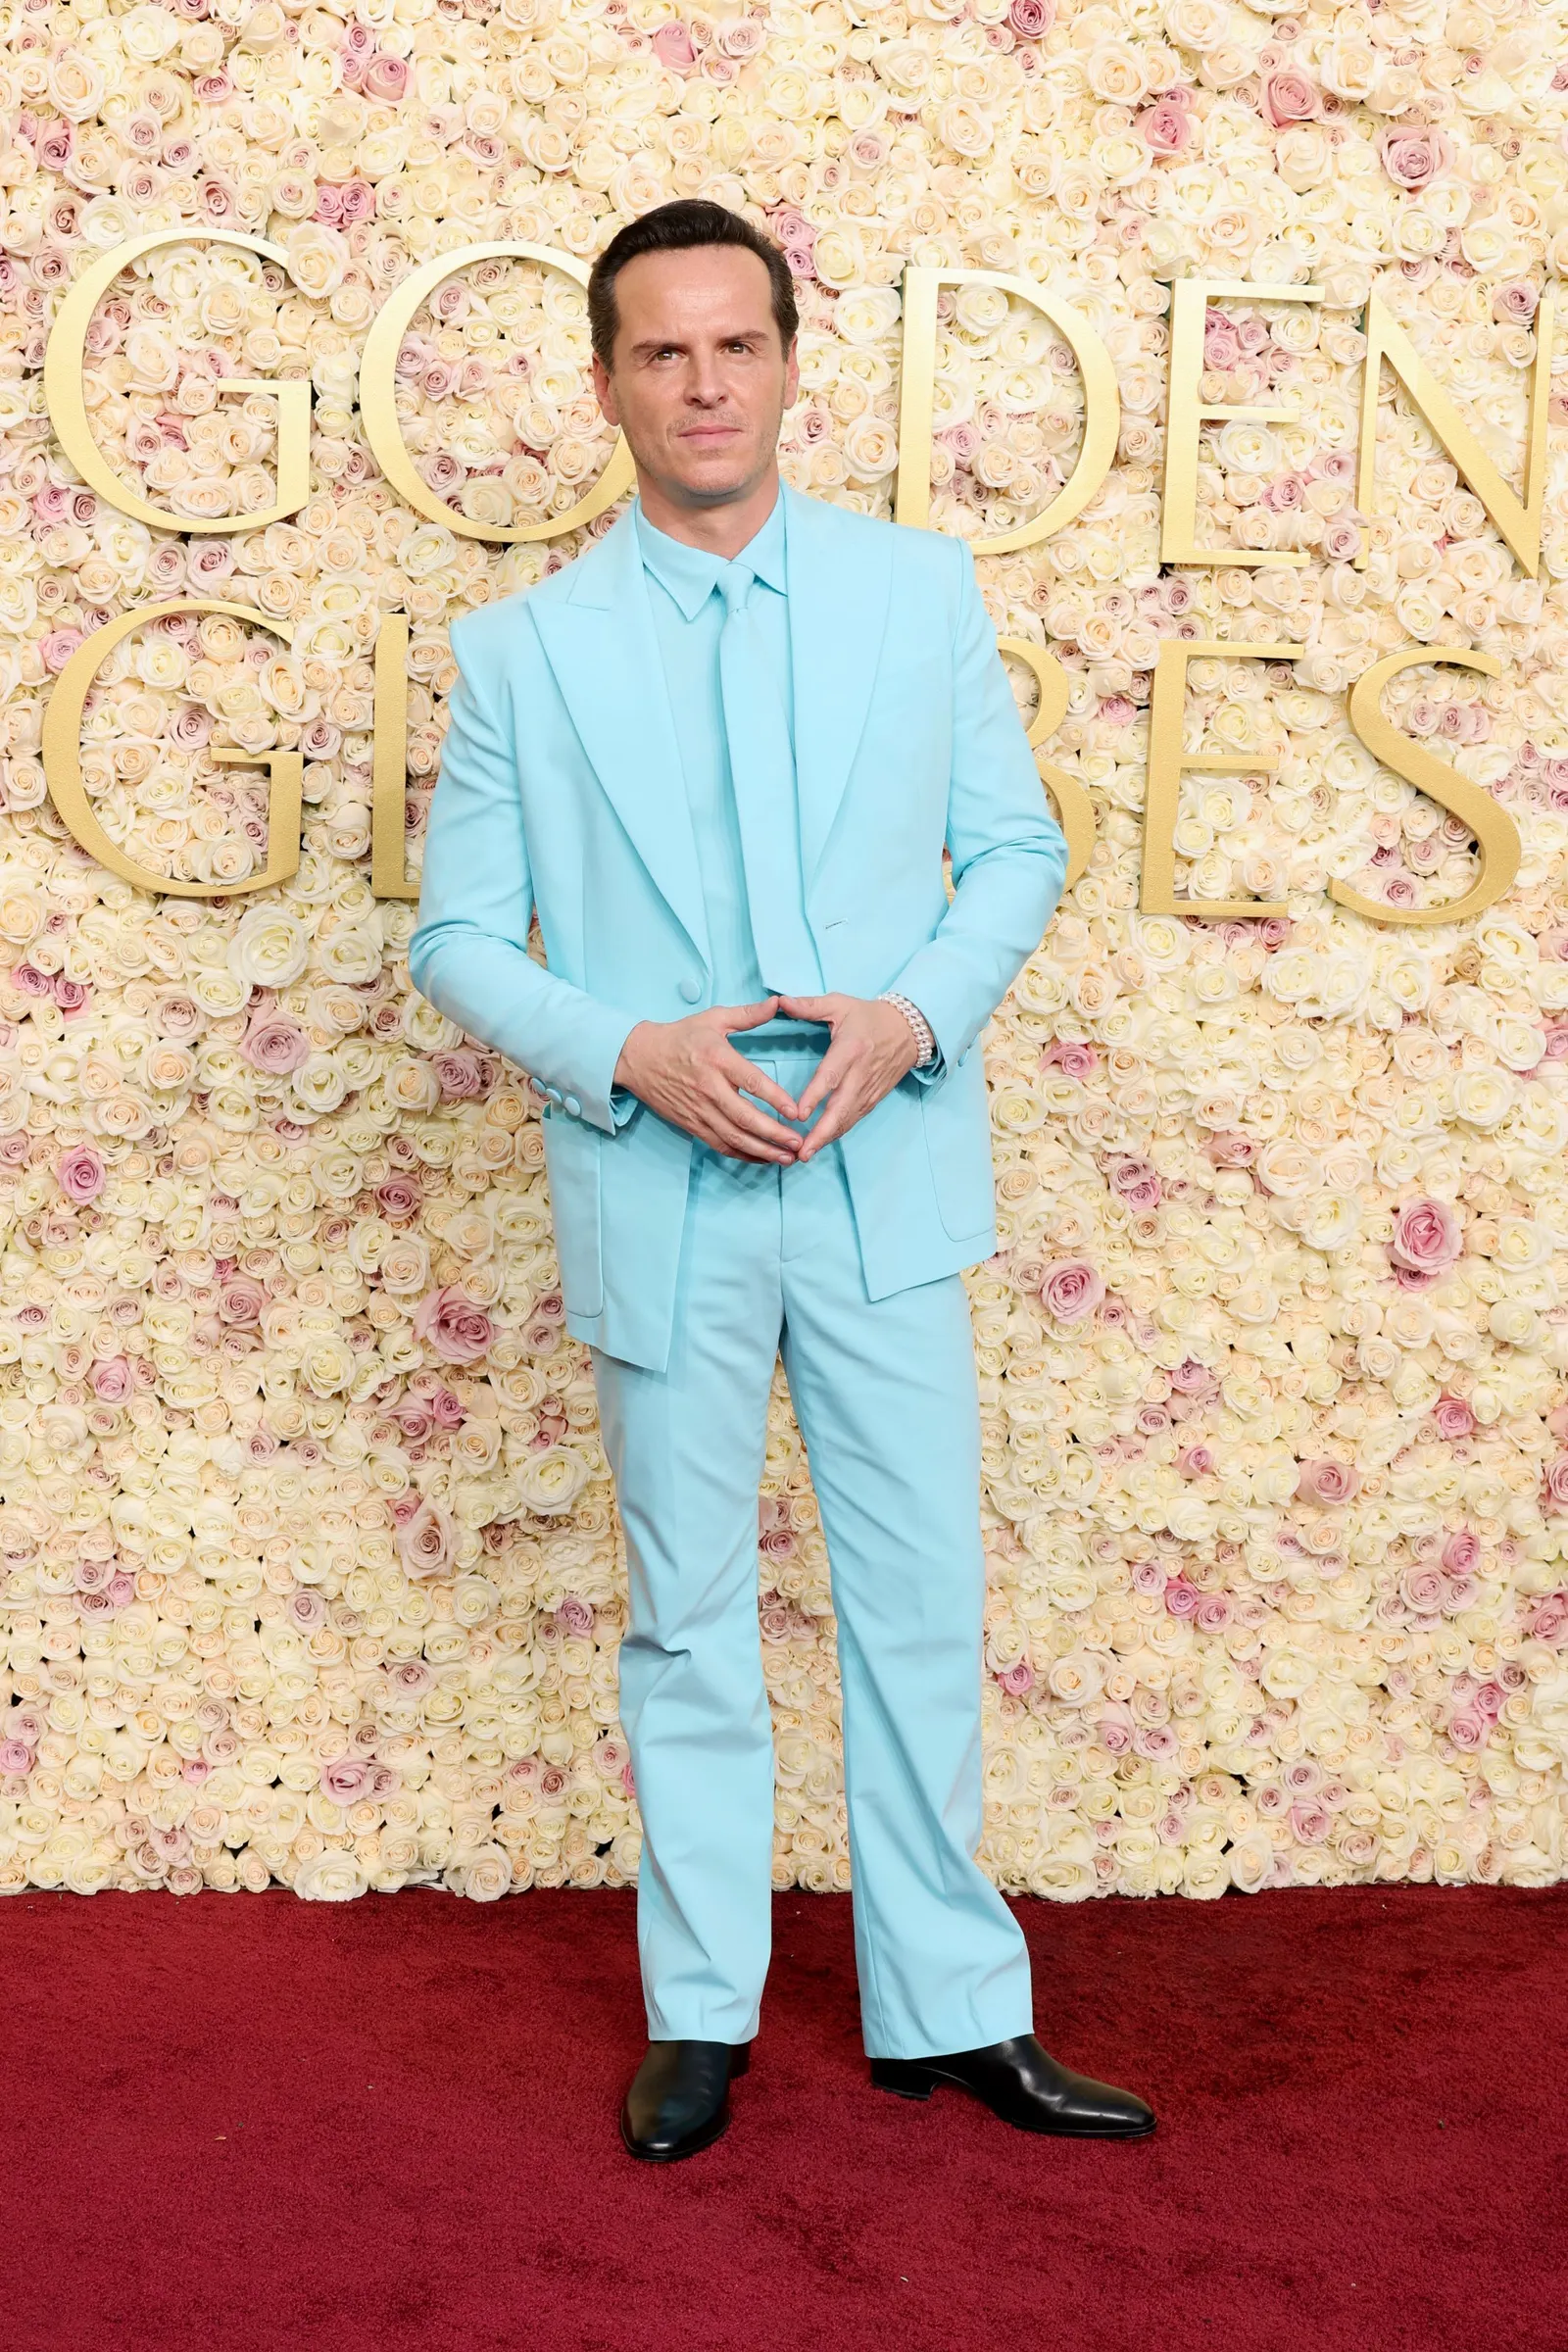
<point>1071,1290</point>
<point>1461,1554</point>
<point>459,1330</point>
<point>1327,1481</point>
<point>1196,1461</point>
<point>1031,20</point>
<point>1468,1727</point>
<point>1289,96</point>
<point>14,1757</point>
<point>57,648</point>
<point>1551,1620</point>
<point>112,1380</point>
<point>1310,1822</point>
<point>386,78</point>
<point>1075,1061</point>
<point>1414,158</point>
<point>1137,1181</point>
<point>410,1678</point>
<point>1018,1679</point>
<point>1181,1597</point>
<point>274,1044</point>
<point>459,1074</point>
<point>672,46</point>
<point>81,1174</point>
<point>1228,1149</point>
<point>1423,1590</point>
<point>1167,127</point>
<point>427,1540</point>
<point>1454,1418</point>
<point>1557,1482</point>
<point>345,1779</point>
<point>307,1611</point>
<point>242,1301</point>
<point>398,1197</point>
<point>1424,1242</point>
<point>1114,1731</point>
<point>1193,1379</point>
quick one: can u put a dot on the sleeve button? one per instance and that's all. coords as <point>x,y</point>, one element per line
<point>572,1106</point>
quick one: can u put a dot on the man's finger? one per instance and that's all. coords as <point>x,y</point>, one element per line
<point>830,1072</point>
<point>810,1008</point>
<point>735,1070</point>
<point>736,1144</point>
<point>737,1113</point>
<point>748,1016</point>
<point>841,1114</point>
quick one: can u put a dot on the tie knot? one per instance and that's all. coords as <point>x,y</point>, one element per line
<point>735,584</point>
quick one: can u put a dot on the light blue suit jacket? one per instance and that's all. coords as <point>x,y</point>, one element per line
<point>562,788</point>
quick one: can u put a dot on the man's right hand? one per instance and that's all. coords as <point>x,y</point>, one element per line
<point>690,1073</point>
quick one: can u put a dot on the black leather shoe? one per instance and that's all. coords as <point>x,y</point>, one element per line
<point>1023,2084</point>
<point>679,2098</point>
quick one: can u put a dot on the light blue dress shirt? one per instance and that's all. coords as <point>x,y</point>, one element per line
<point>688,610</point>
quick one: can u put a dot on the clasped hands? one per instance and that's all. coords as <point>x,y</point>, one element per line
<point>690,1074</point>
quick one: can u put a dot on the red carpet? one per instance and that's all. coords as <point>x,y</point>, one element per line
<point>248,2124</point>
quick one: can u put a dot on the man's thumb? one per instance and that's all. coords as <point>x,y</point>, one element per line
<point>749,1016</point>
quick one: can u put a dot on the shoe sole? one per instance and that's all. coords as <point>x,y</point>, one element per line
<point>1037,2130</point>
<point>690,2147</point>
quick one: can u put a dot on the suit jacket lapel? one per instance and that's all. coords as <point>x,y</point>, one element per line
<point>600,642</point>
<point>839,584</point>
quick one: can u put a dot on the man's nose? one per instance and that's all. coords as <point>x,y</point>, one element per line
<point>705,383</point>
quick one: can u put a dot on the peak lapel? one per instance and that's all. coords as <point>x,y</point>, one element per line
<point>840,578</point>
<point>600,642</point>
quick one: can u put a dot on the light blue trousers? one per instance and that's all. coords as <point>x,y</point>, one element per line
<point>885,1396</point>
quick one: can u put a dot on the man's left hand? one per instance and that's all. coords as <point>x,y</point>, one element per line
<point>873,1048</point>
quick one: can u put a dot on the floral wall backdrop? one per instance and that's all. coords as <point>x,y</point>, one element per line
<point>309,1564</point>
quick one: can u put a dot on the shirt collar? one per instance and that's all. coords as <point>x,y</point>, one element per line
<point>690,574</point>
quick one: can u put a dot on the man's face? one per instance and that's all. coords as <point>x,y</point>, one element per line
<point>700,381</point>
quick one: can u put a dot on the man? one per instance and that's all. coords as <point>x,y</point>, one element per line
<point>722,754</point>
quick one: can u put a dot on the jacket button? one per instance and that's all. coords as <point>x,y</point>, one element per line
<point>690,990</point>
<point>572,1105</point>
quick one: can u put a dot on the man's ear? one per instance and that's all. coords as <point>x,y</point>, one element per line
<point>605,392</point>
<point>792,372</point>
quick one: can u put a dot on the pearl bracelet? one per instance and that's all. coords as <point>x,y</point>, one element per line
<point>924,1036</point>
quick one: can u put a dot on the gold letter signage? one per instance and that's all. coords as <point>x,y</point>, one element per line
<point>1101,404</point>
<point>380,409</point>
<point>1497,834</point>
<point>1518,519</point>
<point>68,789</point>
<point>65,395</point>
<point>1189,298</point>
<point>1516,516</point>
<point>1167,759</point>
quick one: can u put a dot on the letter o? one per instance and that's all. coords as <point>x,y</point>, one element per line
<point>378,399</point>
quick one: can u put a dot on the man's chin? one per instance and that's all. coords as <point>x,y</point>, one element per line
<point>717,480</point>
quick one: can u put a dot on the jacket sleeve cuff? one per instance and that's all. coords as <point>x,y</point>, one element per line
<point>929,981</point>
<point>592,1093</point>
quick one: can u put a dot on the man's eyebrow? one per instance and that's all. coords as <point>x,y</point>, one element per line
<point>734,334</point>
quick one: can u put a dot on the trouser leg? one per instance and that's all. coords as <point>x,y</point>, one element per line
<point>687,1448</point>
<point>885,1395</point>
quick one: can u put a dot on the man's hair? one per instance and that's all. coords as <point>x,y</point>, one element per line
<point>682,227</point>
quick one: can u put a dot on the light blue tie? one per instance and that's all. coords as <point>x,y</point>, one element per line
<point>762,771</point>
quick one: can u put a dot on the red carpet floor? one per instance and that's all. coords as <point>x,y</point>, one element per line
<point>248,2124</point>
